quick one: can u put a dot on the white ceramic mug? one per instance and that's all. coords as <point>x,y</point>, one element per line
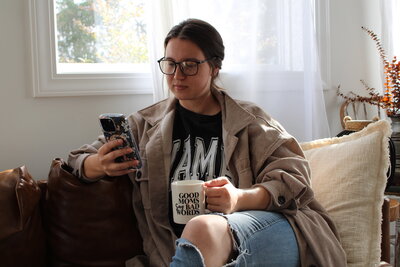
<point>187,200</point>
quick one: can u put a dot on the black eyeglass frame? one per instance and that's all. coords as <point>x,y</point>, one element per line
<point>198,62</point>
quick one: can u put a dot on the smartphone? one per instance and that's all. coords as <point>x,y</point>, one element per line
<point>115,126</point>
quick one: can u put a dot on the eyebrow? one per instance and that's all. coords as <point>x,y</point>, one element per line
<point>185,59</point>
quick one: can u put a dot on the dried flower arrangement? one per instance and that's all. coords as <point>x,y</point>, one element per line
<point>390,100</point>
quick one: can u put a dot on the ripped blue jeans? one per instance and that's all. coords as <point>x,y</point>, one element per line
<point>261,238</point>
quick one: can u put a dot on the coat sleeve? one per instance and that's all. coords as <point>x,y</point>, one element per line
<point>78,156</point>
<point>279,166</point>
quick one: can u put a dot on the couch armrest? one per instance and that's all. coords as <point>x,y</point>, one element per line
<point>22,237</point>
<point>89,224</point>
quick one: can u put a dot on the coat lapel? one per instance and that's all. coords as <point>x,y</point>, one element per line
<point>234,119</point>
<point>158,151</point>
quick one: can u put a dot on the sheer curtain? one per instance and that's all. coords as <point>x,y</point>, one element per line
<point>270,56</point>
<point>390,10</point>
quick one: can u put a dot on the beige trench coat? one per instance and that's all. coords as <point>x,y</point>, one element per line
<point>259,152</point>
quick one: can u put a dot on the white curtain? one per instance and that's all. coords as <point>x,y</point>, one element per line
<point>390,11</point>
<point>390,32</point>
<point>270,56</point>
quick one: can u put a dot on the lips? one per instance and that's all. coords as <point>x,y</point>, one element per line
<point>179,87</point>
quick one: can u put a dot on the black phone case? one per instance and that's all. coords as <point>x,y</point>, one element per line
<point>121,131</point>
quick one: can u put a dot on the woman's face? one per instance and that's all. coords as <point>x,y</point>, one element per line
<point>193,89</point>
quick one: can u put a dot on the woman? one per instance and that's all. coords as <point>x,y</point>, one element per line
<point>257,180</point>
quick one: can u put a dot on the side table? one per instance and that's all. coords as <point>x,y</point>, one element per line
<point>392,210</point>
<point>394,217</point>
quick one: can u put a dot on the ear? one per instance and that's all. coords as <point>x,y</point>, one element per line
<point>215,72</point>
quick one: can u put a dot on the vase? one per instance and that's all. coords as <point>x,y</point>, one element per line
<point>396,140</point>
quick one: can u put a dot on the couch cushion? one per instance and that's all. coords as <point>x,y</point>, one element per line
<point>349,178</point>
<point>90,224</point>
<point>22,240</point>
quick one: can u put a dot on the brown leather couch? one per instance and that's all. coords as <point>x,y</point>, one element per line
<point>63,221</point>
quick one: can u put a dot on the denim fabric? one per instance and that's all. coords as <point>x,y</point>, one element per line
<point>261,239</point>
<point>186,254</point>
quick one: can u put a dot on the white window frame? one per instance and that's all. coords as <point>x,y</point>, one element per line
<point>47,83</point>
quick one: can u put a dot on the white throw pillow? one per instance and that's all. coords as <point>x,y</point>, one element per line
<point>348,176</point>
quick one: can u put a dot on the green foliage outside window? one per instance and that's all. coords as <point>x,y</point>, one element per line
<point>101,31</point>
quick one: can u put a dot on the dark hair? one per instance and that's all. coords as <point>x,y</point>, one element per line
<point>204,35</point>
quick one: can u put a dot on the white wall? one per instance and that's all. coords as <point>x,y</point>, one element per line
<point>353,53</point>
<point>33,131</point>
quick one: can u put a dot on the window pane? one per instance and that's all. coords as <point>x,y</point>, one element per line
<point>112,34</point>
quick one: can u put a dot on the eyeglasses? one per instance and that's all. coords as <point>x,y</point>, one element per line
<point>187,67</point>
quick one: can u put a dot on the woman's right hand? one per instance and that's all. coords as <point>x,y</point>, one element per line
<point>103,163</point>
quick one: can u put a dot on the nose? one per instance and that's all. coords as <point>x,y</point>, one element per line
<point>178,75</point>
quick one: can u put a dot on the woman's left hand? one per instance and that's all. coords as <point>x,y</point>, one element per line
<point>221,195</point>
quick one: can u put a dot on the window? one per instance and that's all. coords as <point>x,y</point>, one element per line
<point>113,57</point>
<point>89,47</point>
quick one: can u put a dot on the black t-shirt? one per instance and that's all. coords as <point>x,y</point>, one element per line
<point>197,150</point>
